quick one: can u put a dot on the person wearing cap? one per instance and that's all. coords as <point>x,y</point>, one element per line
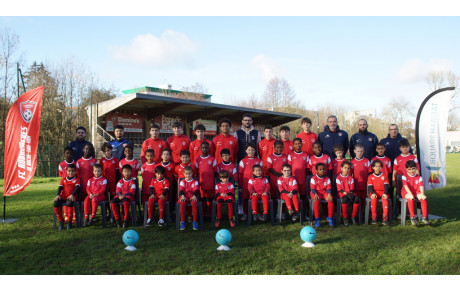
<point>79,142</point>
<point>177,142</point>
<point>119,143</point>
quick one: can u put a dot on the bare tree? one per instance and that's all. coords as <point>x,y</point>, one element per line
<point>279,94</point>
<point>194,92</point>
<point>401,112</point>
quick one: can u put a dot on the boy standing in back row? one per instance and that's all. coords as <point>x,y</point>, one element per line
<point>177,142</point>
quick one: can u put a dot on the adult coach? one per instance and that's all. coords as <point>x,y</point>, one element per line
<point>119,143</point>
<point>246,134</point>
<point>366,138</point>
<point>79,142</point>
<point>391,142</point>
<point>331,136</point>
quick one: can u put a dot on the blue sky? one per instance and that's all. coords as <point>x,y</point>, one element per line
<point>360,62</point>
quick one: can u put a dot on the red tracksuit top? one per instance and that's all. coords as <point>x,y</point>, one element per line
<point>148,174</point>
<point>225,188</point>
<point>179,170</point>
<point>245,168</point>
<point>230,168</point>
<point>97,186</point>
<point>68,186</point>
<point>413,182</point>
<point>225,142</point>
<point>276,162</point>
<point>361,169</point>
<point>206,167</point>
<point>126,186</point>
<point>109,167</point>
<point>324,158</point>
<point>258,185</point>
<point>345,183</point>
<point>133,163</point>
<point>288,184</point>
<point>307,141</point>
<point>189,188</point>
<point>321,185</point>
<point>159,186</point>
<point>378,183</point>
<point>399,164</point>
<point>85,171</point>
<point>337,166</point>
<point>299,164</point>
<point>266,148</point>
<point>176,144</point>
<point>157,145</point>
<point>195,149</point>
<point>288,147</point>
<point>387,169</point>
<point>63,167</point>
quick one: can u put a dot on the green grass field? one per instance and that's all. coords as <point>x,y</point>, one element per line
<point>31,246</point>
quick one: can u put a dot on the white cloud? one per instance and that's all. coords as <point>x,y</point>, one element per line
<point>170,49</point>
<point>267,68</point>
<point>415,70</point>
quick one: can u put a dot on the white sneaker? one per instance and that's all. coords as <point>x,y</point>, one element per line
<point>161,222</point>
<point>240,210</point>
<point>149,222</point>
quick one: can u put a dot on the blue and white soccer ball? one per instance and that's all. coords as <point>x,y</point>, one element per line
<point>308,234</point>
<point>223,237</point>
<point>130,238</point>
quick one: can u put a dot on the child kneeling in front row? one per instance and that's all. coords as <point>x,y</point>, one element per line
<point>68,188</point>
<point>413,188</point>
<point>189,191</point>
<point>321,189</point>
<point>225,193</point>
<point>126,191</point>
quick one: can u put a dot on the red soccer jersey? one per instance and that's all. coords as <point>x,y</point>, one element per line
<point>266,148</point>
<point>69,186</point>
<point>386,169</point>
<point>258,185</point>
<point>179,170</point>
<point>245,169</point>
<point>148,174</point>
<point>225,142</point>
<point>157,145</point>
<point>307,141</point>
<point>109,167</point>
<point>320,184</point>
<point>85,171</point>
<point>337,166</point>
<point>169,169</point>
<point>378,183</point>
<point>225,188</point>
<point>195,149</point>
<point>133,163</point>
<point>176,144</point>
<point>126,186</point>
<point>206,167</point>
<point>399,164</point>
<point>230,168</point>
<point>63,167</point>
<point>275,162</point>
<point>96,186</point>
<point>344,184</point>
<point>361,169</point>
<point>288,146</point>
<point>159,186</point>
<point>324,158</point>
<point>288,184</point>
<point>413,182</point>
<point>189,187</point>
<point>299,164</point>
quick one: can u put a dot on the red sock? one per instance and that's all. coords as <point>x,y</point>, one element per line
<point>424,206</point>
<point>182,210</point>
<point>86,205</point>
<point>230,209</point>
<point>219,210</point>
<point>374,208</point>
<point>295,202</point>
<point>410,205</point>
<point>58,211</point>
<point>254,200</point>
<point>265,203</point>
<point>116,211</point>
<point>94,204</point>
<point>126,209</point>
<point>194,210</point>
<point>385,207</point>
<point>355,209</point>
<point>316,208</point>
<point>330,208</point>
<point>345,210</point>
<point>70,211</point>
<point>161,207</point>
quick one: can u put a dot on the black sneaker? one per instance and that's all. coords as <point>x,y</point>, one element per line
<point>374,221</point>
<point>87,222</point>
<point>61,225</point>
<point>345,221</point>
<point>125,224</point>
<point>118,223</point>
<point>425,220</point>
<point>92,221</point>
<point>353,220</point>
<point>295,216</point>
<point>264,217</point>
<point>413,220</point>
<point>69,225</point>
<point>385,220</point>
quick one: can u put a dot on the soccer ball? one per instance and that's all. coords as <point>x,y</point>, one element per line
<point>308,234</point>
<point>223,237</point>
<point>130,238</point>
<point>27,114</point>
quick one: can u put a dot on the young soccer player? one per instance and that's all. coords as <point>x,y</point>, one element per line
<point>225,141</point>
<point>245,172</point>
<point>266,147</point>
<point>159,190</point>
<point>85,168</point>
<point>259,189</point>
<point>308,137</point>
<point>110,168</point>
<point>96,188</point>
<point>360,168</point>
<point>399,164</point>
<point>68,160</point>
<point>225,193</point>
<point>177,142</point>
<point>345,189</point>
<point>378,187</point>
<point>154,142</point>
<point>185,162</point>
<point>298,160</point>
<point>387,168</point>
<point>195,146</point>
<point>189,191</point>
<point>287,185</point>
<point>130,160</point>
<point>148,174</point>
<point>288,146</point>
<point>336,163</point>
<point>66,195</point>
<point>319,157</point>
<point>206,167</point>
<point>167,164</point>
<point>320,186</point>
<point>126,191</point>
<point>413,188</point>
<point>274,163</point>
<point>227,165</point>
